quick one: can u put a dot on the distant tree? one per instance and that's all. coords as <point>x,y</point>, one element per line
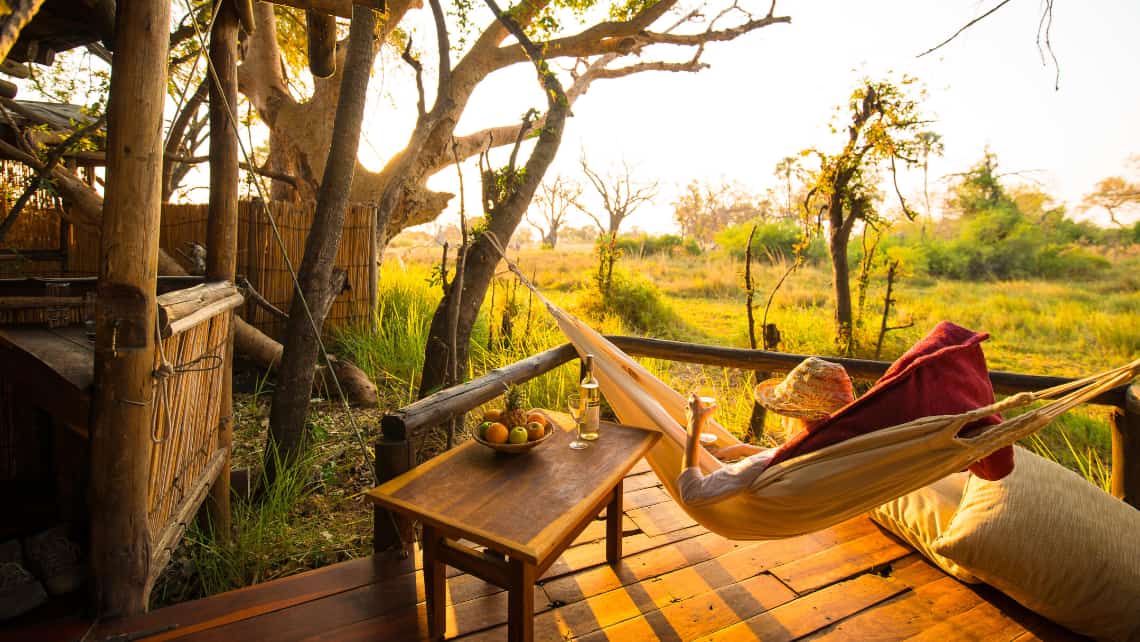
<point>620,196</point>
<point>883,131</point>
<point>930,145</point>
<point>786,169</point>
<point>703,209</point>
<point>551,205</point>
<point>1117,196</point>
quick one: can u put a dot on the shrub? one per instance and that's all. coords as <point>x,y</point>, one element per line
<point>776,241</point>
<point>641,245</point>
<point>635,301</point>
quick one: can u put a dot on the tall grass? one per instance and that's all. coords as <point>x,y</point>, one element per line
<point>266,543</point>
<point>1037,327</point>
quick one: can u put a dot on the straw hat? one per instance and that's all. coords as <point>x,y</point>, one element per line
<point>812,390</point>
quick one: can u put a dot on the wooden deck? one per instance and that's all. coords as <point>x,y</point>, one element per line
<point>677,581</point>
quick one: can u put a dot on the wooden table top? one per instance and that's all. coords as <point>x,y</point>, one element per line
<point>521,505</point>
<point>58,363</point>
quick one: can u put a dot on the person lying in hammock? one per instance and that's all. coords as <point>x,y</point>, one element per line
<point>811,392</point>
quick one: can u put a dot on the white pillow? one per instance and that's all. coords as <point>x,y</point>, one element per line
<point>1053,542</point>
<point>921,517</point>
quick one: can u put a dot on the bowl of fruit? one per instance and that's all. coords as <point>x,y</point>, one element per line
<point>513,430</point>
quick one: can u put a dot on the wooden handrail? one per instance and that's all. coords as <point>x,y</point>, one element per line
<point>441,406</point>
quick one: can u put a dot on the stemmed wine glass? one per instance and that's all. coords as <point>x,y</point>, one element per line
<point>577,408</point>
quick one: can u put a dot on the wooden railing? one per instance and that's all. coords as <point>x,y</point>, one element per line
<point>194,329</point>
<point>403,426</point>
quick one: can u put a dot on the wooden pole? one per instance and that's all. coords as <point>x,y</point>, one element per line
<point>124,331</point>
<point>1126,448</point>
<point>221,228</point>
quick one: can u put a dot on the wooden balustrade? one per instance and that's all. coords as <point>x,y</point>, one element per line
<point>407,423</point>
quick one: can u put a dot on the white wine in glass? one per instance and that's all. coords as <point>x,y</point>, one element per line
<point>577,408</point>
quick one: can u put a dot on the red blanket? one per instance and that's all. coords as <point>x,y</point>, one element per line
<point>943,374</point>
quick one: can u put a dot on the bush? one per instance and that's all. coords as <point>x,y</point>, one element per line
<point>641,245</point>
<point>774,241</point>
<point>634,300</point>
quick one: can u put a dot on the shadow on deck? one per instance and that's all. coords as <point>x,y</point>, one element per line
<point>677,581</point>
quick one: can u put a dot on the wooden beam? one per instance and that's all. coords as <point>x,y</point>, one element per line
<point>441,406</point>
<point>445,404</point>
<point>338,8</point>
<point>745,359</point>
<point>128,267</point>
<point>1126,448</point>
<point>321,28</point>
<point>221,226</point>
<point>20,13</point>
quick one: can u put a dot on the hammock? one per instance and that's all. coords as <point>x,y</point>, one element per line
<point>827,486</point>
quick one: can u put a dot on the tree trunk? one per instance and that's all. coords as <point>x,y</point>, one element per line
<point>481,258</point>
<point>295,375</point>
<point>840,275</point>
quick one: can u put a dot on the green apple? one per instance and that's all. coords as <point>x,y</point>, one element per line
<point>518,435</point>
<point>481,430</point>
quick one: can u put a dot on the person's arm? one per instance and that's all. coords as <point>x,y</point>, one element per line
<point>699,413</point>
<point>736,451</point>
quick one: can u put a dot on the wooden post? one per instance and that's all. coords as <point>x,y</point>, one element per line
<point>321,29</point>
<point>124,331</point>
<point>221,227</point>
<point>1126,448</point>
<point>394,457</point>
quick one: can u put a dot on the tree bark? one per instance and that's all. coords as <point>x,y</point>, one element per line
<point>481,258</point>
<point>295,375</point>
<point>20,14</point>
<point>122,399</point>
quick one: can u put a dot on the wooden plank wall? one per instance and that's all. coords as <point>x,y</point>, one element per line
<point>259,256</point>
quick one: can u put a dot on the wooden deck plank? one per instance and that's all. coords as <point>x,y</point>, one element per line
<point>907,614</point>
<point>638,481</point>
<point>258,599</point>
<point>680,584</point>
<point>813,612</point>
<point>659,519</point>
<point>983,622</point>
<point>844,560</point>
<point>704,613</point>
<point>755,557</point>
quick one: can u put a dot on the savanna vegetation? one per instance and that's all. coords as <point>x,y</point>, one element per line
<point>1078,315</point>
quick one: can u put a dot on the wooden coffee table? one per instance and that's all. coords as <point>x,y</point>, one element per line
<point>527,508</point>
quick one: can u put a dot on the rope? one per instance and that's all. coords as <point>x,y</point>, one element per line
<point>257,183</point>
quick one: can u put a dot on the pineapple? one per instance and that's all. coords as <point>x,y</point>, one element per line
<point>514,415</point>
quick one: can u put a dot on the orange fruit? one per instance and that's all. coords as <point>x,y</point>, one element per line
<point>535,431</point>
<point>496,433</point>
<point>536,417</point>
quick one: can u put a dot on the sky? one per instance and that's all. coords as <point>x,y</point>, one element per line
<point>773,93</point>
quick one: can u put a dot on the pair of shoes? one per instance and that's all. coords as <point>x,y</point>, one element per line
<point>20,591</point>
<point>54,558</point>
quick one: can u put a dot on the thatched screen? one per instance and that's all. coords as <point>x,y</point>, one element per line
<point>259,256</point>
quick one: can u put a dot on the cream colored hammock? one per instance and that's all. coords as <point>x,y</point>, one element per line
<point>832,484</point>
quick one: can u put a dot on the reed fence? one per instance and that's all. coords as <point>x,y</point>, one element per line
<point>40,235</point>
<point>185,457</point>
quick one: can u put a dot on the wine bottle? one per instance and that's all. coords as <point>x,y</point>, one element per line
<point>592,397</point>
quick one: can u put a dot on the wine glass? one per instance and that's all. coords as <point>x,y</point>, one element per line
<point>577,410</point>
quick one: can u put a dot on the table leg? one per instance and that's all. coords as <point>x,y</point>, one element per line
<point>613,526</point>
<point>435,590</point>
<point>520,604</point>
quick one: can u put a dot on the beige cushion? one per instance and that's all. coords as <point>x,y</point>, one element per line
<point>921,517</point>
<point>1053,542</point>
